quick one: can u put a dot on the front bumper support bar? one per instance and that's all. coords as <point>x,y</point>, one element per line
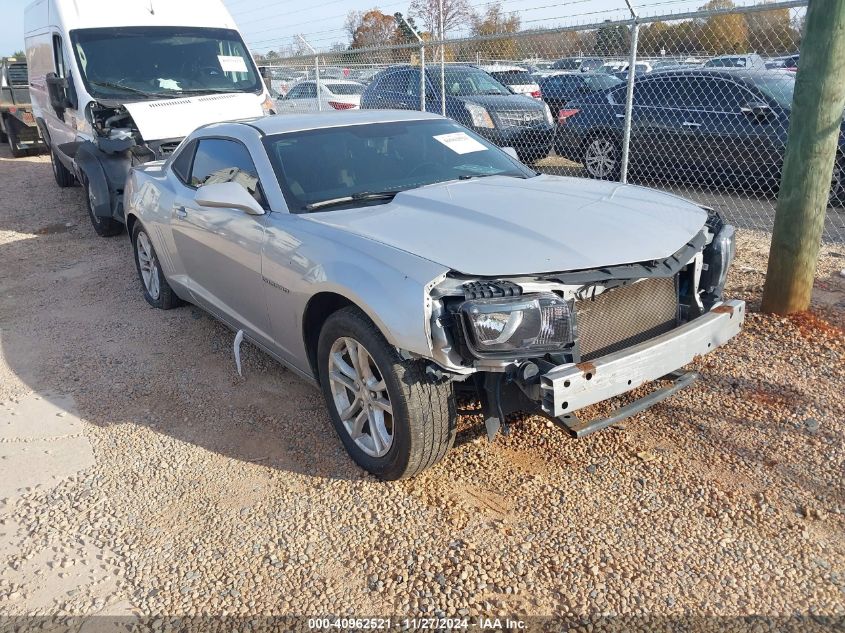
<point>580,428</point>
<point>567,388</point>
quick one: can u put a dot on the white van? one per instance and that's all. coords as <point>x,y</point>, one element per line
<point>115,84</point>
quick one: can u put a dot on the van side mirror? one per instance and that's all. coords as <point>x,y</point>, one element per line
<point>227,195</point>
<point>57,90</point>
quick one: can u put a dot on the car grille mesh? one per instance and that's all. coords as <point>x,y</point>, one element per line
<point>519,118</point>
<point>622,317</point>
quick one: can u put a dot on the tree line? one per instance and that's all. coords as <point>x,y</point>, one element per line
<point>769,33</point>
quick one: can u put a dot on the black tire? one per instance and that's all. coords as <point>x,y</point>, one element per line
<point>591,157</point>
<point>12,140</point>
<point>61,173</point>
<point>105,227</point>
<point>837,186</point>
<point>166,299</point>
<point>424,417</point>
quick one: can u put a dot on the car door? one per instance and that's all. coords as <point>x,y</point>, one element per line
<point>730,139</point>
<point>220,248</point>
<point>301,98</point>
<point>658,124</point>
<point>391,93</point>
<point>61,123</point>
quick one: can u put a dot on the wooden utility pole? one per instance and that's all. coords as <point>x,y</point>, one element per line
<point>810,152</point>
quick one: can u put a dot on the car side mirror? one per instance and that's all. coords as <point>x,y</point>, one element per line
<point>510,151</point>
<point>757,110</point>
<point>227,195</point>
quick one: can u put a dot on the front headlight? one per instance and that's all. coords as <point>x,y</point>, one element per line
<point>532,324</point>
<point>479,115</point>
<point>268,106</point>
<point>549,119</point>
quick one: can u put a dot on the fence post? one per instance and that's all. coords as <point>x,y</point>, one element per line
<point>629,95</point>
<point>814,125</point>
<point>442,60</point>
<point>317,80</point>
<point>422,63</point>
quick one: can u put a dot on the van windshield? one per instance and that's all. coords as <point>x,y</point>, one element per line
<point>155,62</point>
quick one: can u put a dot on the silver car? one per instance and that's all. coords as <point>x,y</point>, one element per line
<point>397,259</point>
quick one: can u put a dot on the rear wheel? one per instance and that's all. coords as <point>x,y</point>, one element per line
<point>61,173</point>
<point>12,140</point>
<point>105,227</point>
<point>837,184</point>
<point>603,158</point>
<point>157,291</point>
<point>393,419</point>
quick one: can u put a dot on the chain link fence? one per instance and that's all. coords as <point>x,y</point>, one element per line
<point>697,103</point>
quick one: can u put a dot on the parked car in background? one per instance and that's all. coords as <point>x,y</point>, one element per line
<point>580,64</point>
<point>612,67</point>
<point>518,79</point>
<point>335,94</point>
<point>473,98</point>
<point>640,69</point>
<point>666,64</point>
<point>17,123</point>
<point>280,80</point>
<point>397,258</point>
<point>556,91</point>
<point>114,86</point>
<point>736,61</point>
<point>704,124</point>
<point>791,63</point>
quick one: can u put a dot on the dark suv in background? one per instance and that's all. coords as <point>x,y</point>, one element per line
<point>473,98</point>
<point>708,125</point>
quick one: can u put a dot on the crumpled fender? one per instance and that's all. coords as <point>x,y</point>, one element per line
<point>105,175</point>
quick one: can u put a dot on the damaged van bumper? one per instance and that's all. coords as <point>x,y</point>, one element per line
<point>573,386</point>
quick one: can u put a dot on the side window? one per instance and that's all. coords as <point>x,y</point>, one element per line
<point>725,96</point>
<point>222,160</point>
<point>647,93</point>
<point>182,163</point>
<point>59,56</point>
<point>395,82</point>
<point>309,91</point>
<point>413,87</point>
<point>295,92</point>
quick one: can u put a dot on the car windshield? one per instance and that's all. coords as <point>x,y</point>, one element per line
<point>345,89</point>
<point>513,77</point>
<point>315,166</point>
<point>465,82</point>
<point>163,61</point>
<point>600,82</point>
<point>778,88</point>
<point>727,62</point>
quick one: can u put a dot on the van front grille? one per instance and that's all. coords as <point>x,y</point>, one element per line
<point>625,316</point>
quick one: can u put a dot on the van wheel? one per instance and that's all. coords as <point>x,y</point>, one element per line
<point>61,173</point>
<point>105,227</point>
<point>393,418</point>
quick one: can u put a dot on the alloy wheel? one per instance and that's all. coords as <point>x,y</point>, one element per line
<point>360,396</point>
<point>148,265</point>
<point>601,159</point>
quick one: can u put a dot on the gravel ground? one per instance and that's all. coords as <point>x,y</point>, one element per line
<point>214,494</point>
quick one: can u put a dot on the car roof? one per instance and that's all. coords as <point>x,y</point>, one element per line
<point>719,71</point>
<point>282,123</point>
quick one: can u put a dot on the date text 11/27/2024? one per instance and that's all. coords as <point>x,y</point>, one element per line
<point>416,624</point>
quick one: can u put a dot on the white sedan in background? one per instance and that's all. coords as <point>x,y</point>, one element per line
<point>334,94</point>
<point>516,78</point>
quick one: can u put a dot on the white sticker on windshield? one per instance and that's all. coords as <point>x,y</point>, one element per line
<point>232,63</point>
<point>460,142</point>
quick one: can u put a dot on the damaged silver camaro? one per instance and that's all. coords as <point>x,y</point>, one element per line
<point>396,259</point>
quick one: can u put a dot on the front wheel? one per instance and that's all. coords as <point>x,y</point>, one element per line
<point>12,140</point>
<point>61,173</point>
<point>104,227</point>
<point>394,419</point>
<point>157,292</point>
<point>603,158</point>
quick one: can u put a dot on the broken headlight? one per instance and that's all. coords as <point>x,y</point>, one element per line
<point>532,324</point>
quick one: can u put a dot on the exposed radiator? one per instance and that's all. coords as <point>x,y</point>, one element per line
<point>624,316</point>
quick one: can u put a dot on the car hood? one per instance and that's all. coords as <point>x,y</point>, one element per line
<point>494,103</point>
<point>176,118</point>
<point>501,226</point>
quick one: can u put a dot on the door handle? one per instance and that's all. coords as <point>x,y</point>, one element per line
<point>690,124</point>
<point>180,212</point>
<point>620,116</point>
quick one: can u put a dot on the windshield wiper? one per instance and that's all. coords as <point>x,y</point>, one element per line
<point>208,91</point>
<point>355,197</point>
<point>109,84</point>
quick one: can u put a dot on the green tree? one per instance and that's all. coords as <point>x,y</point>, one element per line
<point>612,40</point>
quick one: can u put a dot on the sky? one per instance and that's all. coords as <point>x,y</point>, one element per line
<point>269,24</point>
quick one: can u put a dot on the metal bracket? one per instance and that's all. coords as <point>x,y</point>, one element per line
<point>580,428</point>
<point>491,405</point>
